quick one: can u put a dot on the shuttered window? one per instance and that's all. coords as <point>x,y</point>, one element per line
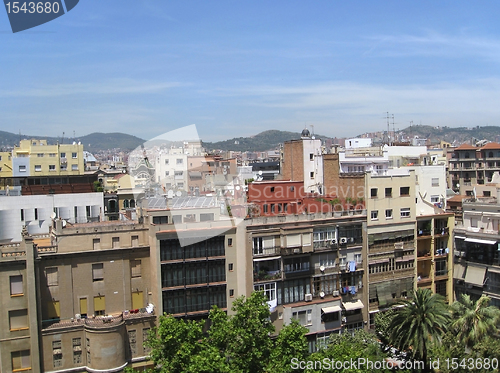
<point>21,360</point>
<point>137,300</point>
<point>51,274</point>
<point>83,307</point>
<point>97,272</point>
<point>18,319</point>
<point>293,240</point>
<point>53,310</point>
<point>135,266</point>
<point>99,305</point>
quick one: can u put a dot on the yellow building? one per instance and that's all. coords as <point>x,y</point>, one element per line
<point>37,158</point>
<point>5,164</point>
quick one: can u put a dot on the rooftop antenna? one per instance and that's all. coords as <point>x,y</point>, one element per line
<point>312,131</point>
<point>393,130</point>
<point>62,139</point>
<point>388,137</point>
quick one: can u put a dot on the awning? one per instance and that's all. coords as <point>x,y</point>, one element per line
<point>195,174</point>
<point>477,240</point>
<point>475,275</point>
<point>460,237</point>
<point>493,270</point>
<point>331,309</point>
<point>266,258</point>
<point>351,306</point>
<point>458,271</point>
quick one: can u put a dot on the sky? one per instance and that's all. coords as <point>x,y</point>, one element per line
<point>237,68</point>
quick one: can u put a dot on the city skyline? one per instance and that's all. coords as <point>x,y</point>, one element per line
<point>239,69</point>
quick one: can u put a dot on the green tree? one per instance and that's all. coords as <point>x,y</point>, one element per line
<point>474,320</point>
<point>347,347</point>
<point>419,323</point>
<point>290,343</point>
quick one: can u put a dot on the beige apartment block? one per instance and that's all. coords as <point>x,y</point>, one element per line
<point>391,222</point>
<point>311,267</point>
<point>19,336</point>
<point>5,165</point>
<point>37,158</point>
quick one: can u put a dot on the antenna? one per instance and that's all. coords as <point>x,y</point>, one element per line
<point>62,139</point>
<point>393,130</point>
<point>388,137</point>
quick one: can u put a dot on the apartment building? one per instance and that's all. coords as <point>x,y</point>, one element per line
<point>19,335</point>
<point>477,258</point>
<point>470,165</point>
<point>303,161</point>
<point>312,267</point>
<point>37,158</point>
<point>5,164</point>
<point>193,255</point>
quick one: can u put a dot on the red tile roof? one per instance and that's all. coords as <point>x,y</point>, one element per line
<point>466,147</point>
<point>491,145</point>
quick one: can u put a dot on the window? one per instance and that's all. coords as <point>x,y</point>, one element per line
<point>83,307</point>
<point>96,242</point>
<point>97,272</point>
<point>404,191</point>
<point>231,293</point>
<point>388,192</point>
<point>135,241</point>
<point>230,267</point>
<point>312,174</point>
<point>135,266</point>
<point>53,310</point>
<point>434,199</point>
<point>145,335</point>
<point>21,360</point>
<point>52,167</point>
<point>38,167</point>
<point>132,340</point>
<point>405,212</point>
<point>266,209</point>
<point>99,306</point>
<point>52,154</point>
<point>57,353</point>
<point>167,173</point>
<point>115,242</point>
<point>74,155</point>
<point>388,214</point>
<point>311,156</point>
<point>373,192</point>
<point>51,275</point>
<point>166,161</point>
<point>302,317</point>
<point>36,214</point>
<point>22,214</point>
<point>22,168</point>
<point>74,167</point>
<point>63,155</point>
<point>137,300</point>
<point>486,193</point>
<point>435,181</point>
<point>77,351</point>
<point>180,161</point>
<point>16,285</point>
<point>374,215</point>
<point>18,319</point>
<point>229,242</point>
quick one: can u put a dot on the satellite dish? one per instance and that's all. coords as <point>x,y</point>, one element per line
<point>64,223</point>
<point>53,215</point>
<point>170,194</point>
<point>322,294</point>
<point>178,193</point>
<point>260,172</point>
<point>238,187</point>
<point>322,268</point>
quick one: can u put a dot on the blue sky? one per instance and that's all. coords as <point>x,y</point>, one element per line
<point>236,68</point>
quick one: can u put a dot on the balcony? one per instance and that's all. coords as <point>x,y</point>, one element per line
<point>264,275</point>
<point>423,255</point>
<point>291,250</point>
<point>265,251</point>
<point>423,279</point>
<point>441,231</point>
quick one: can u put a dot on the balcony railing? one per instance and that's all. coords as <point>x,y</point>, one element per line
<point>275,250</point>
<point>291,250</point>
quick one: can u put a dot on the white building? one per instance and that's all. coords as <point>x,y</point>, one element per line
<point>35,212</point>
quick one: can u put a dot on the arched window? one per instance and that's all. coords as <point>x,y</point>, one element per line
<point>132,203</point>
<point>125,203</point>
<point>490,154</point>
<point>111,206</point>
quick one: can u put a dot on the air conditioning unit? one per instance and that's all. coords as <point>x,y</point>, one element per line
<point>308,297</point>
<point>322,294</point>
<point>398,246</point>
<point>343,240</point>
<point>336,293</point>
<point>333,242</point>
<point>322,268</point>
<point>297,250</point>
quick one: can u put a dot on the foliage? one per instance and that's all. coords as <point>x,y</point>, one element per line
<point>420,323</point>
<point>344,347</point>
<point>474,320</point>
<point>98,186</point>
<point>291,343</point>
<point>383,321</point>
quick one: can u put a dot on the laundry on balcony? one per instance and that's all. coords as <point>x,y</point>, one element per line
<point>353,290</point>
<point>352,266</point>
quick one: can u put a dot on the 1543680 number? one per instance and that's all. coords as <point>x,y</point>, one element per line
<point>32,7</point>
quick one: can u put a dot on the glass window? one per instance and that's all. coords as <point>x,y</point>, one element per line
<point>97,272</point>
<point>16,285</point>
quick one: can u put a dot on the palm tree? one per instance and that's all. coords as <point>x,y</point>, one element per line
<point>474,320</point>
<point>419,323</point>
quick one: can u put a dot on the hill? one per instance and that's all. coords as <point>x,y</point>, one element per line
<point>455,136</point>
<point>93,142</point>
<point>263,141</point>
